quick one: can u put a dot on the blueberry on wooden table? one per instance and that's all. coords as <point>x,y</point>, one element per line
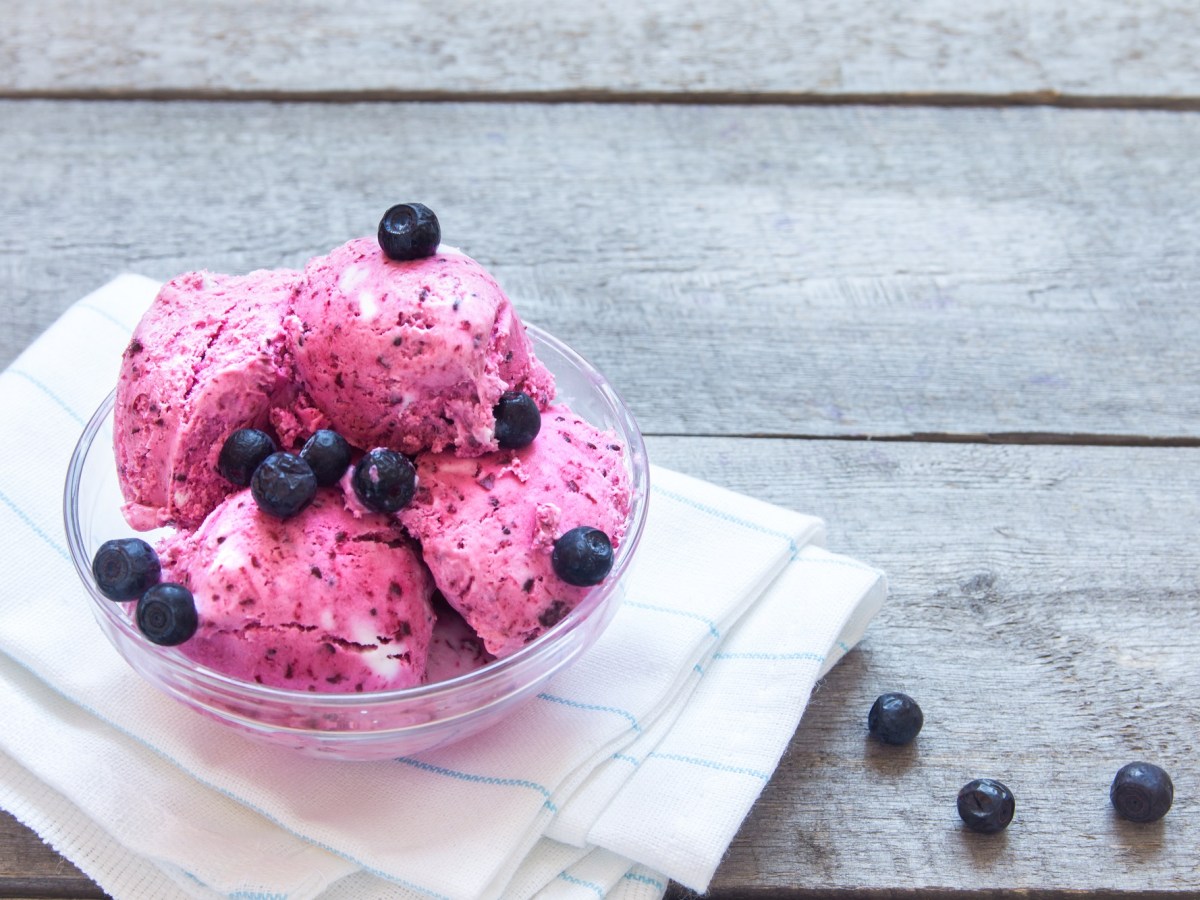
<point>583,556</point>
<point>166,614</point>
<point>409,231</point>
<point>1142,792</point>
<point>328,453</point>
<point>518,420</point>
<point>986,805</point>
<point>895,718</point>
<point>384,480</point>
<point>242,453</point>
<point>125,567</point>
<point>283,485</point>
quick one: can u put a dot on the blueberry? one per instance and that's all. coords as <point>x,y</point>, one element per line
<point>583,556</point>
<point>166,614</point>
<point>895,718</point>
<point>283,485</point>
<point>518,420</point>
<point>242,453</point>
<point>1142,792</point>
<point>384,480</point>
<point>409,231</point>
<point>124,568</point>
<point>329,455</point>
<point>986,805</point>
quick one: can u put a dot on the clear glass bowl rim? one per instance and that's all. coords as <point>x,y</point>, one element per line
<point>501,672</point>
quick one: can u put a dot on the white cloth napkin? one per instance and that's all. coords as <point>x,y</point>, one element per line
<point>635,766</point>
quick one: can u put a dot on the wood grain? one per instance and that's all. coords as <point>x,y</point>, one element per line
<point>840,272</point>
<point>1043,612</point>
<point>29,868</point>
<point>416,48</point>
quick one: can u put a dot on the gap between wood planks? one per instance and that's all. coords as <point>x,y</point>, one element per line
<point>1048,98</point>
<point>678,892</point>
<point>40,889</point>
<point>1032,438</point>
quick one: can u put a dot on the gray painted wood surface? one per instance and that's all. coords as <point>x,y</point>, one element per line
<point>991,307</point>
<point>1044,612</point>
<point>735,270</point>
<point>1097,49</point>
<point>28,868</point>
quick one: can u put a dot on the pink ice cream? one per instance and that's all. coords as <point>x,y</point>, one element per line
<point>487,525</point>
<point>325,601</point>
<point>455,649</point>
<point>410,355</point>
<point>208,358</point>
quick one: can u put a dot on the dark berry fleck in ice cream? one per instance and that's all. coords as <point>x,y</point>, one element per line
<point>125,567</point>
<point>328,453</point>
<point>1142,792</point>
<point>986,805</point>
<point>583,556</point>
<point>895,718</point>
<point>384,480</point>
<point>166,614</point>
<point>553,613</point>
<point>242,453</point>
<point>283,485</point>
<point>409,231</point>
<point>518,420</point>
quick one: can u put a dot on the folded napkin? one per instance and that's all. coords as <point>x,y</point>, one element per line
<point>635,766</point>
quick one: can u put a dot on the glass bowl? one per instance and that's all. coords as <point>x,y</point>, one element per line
<point>371,725</point>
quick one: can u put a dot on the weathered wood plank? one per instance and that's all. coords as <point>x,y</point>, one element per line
<point>29,868</point>
<point>735,270</point>
<point>1043,611</point>
<point>1100,48</point>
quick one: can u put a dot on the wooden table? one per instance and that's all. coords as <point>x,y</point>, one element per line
<point>930,271</point>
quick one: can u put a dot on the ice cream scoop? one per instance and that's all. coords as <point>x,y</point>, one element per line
<point>326,601</point>
<point>412,354</point>
<point>209,357</point>
<point>487,525</point>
